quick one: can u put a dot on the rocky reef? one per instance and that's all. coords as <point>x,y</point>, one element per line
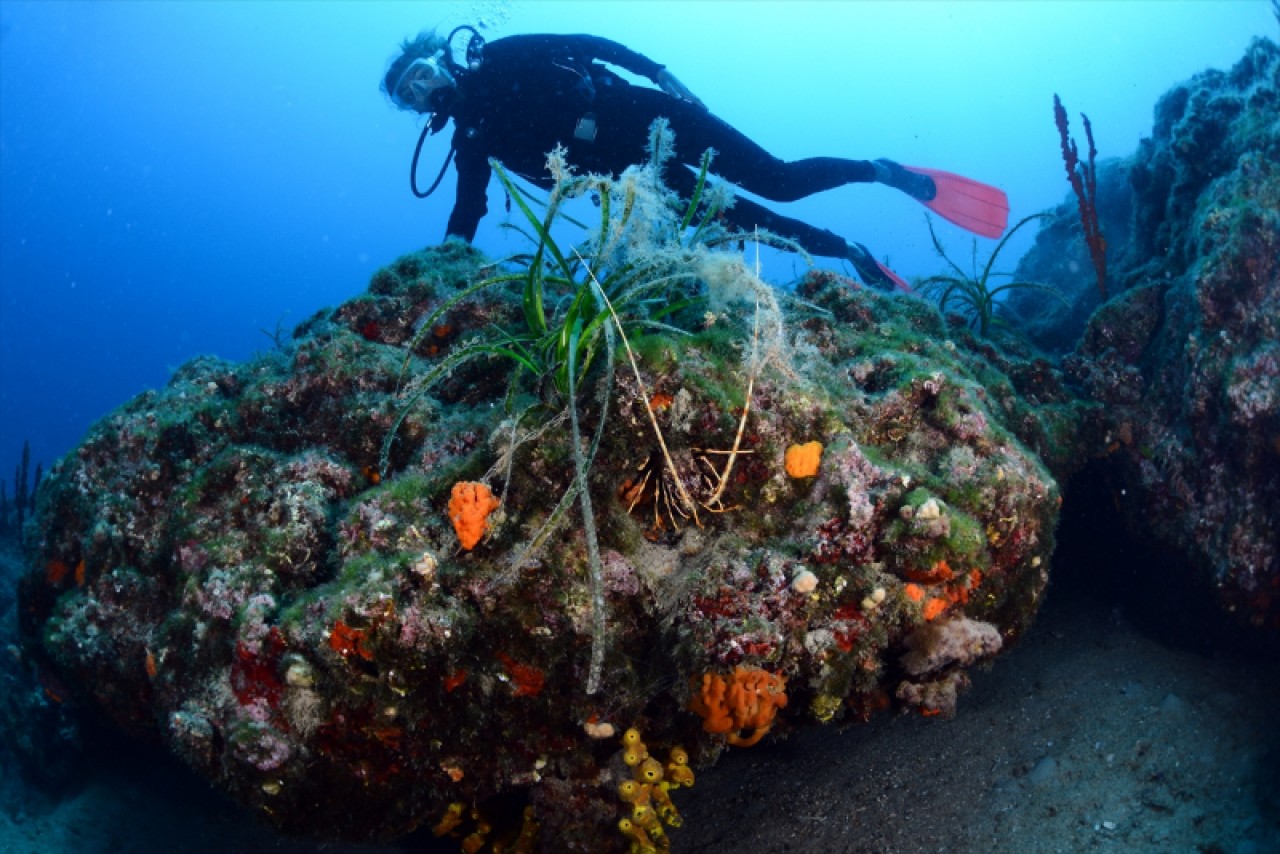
<point>390,576</point>
<point>1186,358</point>
<point>508,550</point>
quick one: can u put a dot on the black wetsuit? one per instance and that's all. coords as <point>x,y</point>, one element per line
<point>530,92</point>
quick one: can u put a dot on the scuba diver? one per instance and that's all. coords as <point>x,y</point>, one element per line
<point>514,99</point>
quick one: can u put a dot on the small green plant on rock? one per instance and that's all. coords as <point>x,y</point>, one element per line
<point>973,294</point>
<point>628,260</point>
<point>645,263</point>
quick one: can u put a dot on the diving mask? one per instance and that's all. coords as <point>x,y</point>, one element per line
<point>419,81</point>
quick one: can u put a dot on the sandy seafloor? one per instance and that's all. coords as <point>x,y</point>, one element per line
<point>1099,731</point>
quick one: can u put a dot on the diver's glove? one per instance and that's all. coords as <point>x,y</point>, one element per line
<point>871,271</point>
<point>914,184</point>
<point>668,83</point>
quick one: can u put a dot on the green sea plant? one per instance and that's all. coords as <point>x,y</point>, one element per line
<point>564,318</point>
<point>973,294</point>
<point>629,276</point>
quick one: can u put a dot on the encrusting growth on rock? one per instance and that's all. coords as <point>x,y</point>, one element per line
<point>648,793</point>
<point>469,507</point>
<point>747,700</point>
<point>803,460</point>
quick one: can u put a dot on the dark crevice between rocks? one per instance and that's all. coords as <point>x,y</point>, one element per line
<point>1099,557</point>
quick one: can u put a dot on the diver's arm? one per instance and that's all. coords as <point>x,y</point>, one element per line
<point>637,63</point>
<point>586,48</point>
<point>472,201</point>
<point>595,47</point>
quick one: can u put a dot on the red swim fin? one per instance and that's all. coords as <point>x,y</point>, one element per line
<point>898,281</point>
<point>872,272</point>
<point>980,208</point>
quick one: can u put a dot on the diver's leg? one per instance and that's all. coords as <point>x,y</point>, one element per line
<point>740,160</point>
<point>977,207</point>
<point>746,215</point>
<point>624,116</point>
<point>623,119</point>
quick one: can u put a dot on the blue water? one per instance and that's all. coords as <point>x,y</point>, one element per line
<point>177,177</point>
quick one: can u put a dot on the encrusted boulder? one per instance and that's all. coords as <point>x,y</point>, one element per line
<point>272,588</point>
<point>1187,359</point>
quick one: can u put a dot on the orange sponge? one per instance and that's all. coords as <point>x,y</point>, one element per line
<point>803,460</point>
<point>470,504</point>
<point>748,699</point>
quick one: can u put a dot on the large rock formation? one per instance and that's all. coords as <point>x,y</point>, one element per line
<point>1187,358</point>
<point>362,602</point>
<point>242,567</point>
